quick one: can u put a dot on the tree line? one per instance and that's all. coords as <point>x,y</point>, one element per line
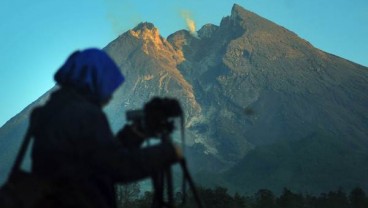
<point>219,197</point>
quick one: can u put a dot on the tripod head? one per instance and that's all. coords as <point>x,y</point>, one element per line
<point>156,118</point>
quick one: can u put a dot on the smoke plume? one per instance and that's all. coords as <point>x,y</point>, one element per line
<point>190,22</point>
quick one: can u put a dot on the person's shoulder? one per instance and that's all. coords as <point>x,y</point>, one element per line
<point>85,109</point>
<point>75,105</point>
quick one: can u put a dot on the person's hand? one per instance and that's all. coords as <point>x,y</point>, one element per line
<point>136,130</point>
<point>131,137</point>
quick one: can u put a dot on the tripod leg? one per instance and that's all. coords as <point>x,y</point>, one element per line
<point>158,195</point>
<point>184,167</point>
<point>170,189</point>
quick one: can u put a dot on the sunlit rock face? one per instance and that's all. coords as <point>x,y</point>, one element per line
<point>261,104</point>
<point>150,68</point>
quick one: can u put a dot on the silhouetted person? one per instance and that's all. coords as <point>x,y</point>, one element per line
<point>73,142</point>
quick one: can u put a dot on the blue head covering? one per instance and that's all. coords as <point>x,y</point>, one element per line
<point>90,72</point>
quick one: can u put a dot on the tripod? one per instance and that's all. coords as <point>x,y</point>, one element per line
<point>156,119</point>
<point>165,177</point>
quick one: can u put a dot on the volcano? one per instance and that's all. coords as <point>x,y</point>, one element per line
<point>263,107</point>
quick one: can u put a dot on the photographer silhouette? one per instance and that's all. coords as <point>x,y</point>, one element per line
<point>73,143</point>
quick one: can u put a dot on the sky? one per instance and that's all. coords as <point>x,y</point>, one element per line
<point>37,36</point>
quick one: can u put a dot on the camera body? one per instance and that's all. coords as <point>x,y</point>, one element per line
<point>155,119</point>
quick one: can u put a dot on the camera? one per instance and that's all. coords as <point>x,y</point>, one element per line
<point>156,117</point>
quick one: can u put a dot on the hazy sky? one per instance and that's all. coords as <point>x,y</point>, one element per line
<point>37,36</point>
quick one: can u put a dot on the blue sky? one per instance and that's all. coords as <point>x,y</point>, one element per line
<point>37,36</point>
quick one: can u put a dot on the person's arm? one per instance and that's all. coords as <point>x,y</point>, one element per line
<point>105,156</point>
<point>125,165</point>
<point>131,137</point>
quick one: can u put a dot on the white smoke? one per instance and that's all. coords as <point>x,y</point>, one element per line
<point>190,22</point>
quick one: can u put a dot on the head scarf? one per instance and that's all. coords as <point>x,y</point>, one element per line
<point>92,73</point>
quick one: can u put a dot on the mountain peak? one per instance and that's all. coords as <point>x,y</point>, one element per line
<point>240,18</point>
<point>144,26</point>
<point>148,37</point>
<point>207,30</point>
<point>237,8</point>
<point>147,32</point>
<point>238,12</point>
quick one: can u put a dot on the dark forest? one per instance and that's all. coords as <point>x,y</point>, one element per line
<point>219,197</point>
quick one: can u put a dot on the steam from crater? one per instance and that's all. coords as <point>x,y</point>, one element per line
<point>190,22</point>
